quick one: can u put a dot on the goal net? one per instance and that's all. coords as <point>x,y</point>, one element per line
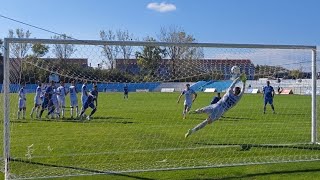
<point>144,129</point>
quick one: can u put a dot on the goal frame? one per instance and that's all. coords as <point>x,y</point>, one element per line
<point>6,80</point>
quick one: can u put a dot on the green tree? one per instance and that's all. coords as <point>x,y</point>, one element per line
<point>296,74</point>
<point>39,50</point>
<point>148,60</point>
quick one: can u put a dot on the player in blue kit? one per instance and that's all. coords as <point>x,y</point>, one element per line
<point>268,94</point>
<point>215,111</point>
<point>216,99</point>
<point>47,99</point>
<point>125,92</point>
<point>92,97</point>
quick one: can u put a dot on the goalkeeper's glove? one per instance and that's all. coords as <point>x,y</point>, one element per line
<point>243,77</point>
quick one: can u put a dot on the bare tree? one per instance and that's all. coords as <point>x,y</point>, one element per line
<point>63,51</point>
<point>19,50</point>
<point>123,35</point>
<point>178,35</point>
<point>110,51</point>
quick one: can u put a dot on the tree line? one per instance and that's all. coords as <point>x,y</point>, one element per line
<point>31,65</point>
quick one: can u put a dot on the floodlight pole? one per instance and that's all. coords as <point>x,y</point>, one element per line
<point>6,109</point>
<point>314,98</point>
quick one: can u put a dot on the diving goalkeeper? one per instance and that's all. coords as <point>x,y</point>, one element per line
<point>215,111</point>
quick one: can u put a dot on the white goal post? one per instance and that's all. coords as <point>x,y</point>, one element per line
<point>166,132</point>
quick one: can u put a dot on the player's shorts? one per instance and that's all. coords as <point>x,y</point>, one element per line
<point>83,99</point>
<point>22,103</point>
<point>268,100</point>
<point>125,93</point>
<point>62,102</point>
<point>74,102</point>
<point>46,103</point>
<point>37,101</point>
<point>91,105</point>
<point>214,111</point>
<point>188,104</point>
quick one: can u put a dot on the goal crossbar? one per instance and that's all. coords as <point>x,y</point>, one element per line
<point>146,43</point>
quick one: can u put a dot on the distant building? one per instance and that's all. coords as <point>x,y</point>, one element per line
<point>166,66</point>
<point>16,64</point>
<point>73,61</point>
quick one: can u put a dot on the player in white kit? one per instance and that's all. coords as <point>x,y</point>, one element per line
<point>22,102</point>
<point>190,96</point>
<point>73,98</point>
<point>84,93</point>
<point>215,111</point>
<point>37,101</point>
<point>61,95</point>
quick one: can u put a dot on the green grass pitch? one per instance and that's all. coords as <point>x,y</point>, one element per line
<point>147,132</point>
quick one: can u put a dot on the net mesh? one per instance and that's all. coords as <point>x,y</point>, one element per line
<point>145,131</point>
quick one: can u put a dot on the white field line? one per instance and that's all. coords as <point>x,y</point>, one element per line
<point>156,150</point>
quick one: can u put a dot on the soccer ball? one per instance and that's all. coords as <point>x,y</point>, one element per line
<point>235,70</point>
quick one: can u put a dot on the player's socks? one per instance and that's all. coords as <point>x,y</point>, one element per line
<point>77,111</point>
<point>31,114</point>
<point>18,114</point>
<point>71,112</point>
<point>92,112</point>
<point>188,133</point>
<point>37,112</point>
<point>23,114</point>
<point>200,126</point>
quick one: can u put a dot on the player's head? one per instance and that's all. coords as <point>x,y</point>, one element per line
<point>52,83</point>
<point>95,87</point>
<point>85,81</point>
<point>268,83</point>
<point>218,94</point>
<point>61,83</point>
<point>72,82</point>
<point>39,83</point>
<point>23,84</point>
<point>237,91</point>
<point>188,86</point>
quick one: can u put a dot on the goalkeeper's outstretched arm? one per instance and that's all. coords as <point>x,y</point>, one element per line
<point>243,78</point>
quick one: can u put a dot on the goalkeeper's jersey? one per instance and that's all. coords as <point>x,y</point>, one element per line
<point>229,100</point>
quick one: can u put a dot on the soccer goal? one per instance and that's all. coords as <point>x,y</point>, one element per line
<point>139,127</point>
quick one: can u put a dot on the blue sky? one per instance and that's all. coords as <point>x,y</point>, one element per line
<point>225,21</point>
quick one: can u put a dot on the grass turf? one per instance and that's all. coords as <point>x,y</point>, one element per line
<point>147,132</point>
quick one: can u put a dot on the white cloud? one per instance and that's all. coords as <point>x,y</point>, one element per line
<point>162,7</point>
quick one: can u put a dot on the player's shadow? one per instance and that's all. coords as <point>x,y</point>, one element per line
<point>86,170</point>
<point>257,175</point>
<point>246,147</point>
<point>291,114</point>
<point>228,118</point>
<point>108,119</point>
